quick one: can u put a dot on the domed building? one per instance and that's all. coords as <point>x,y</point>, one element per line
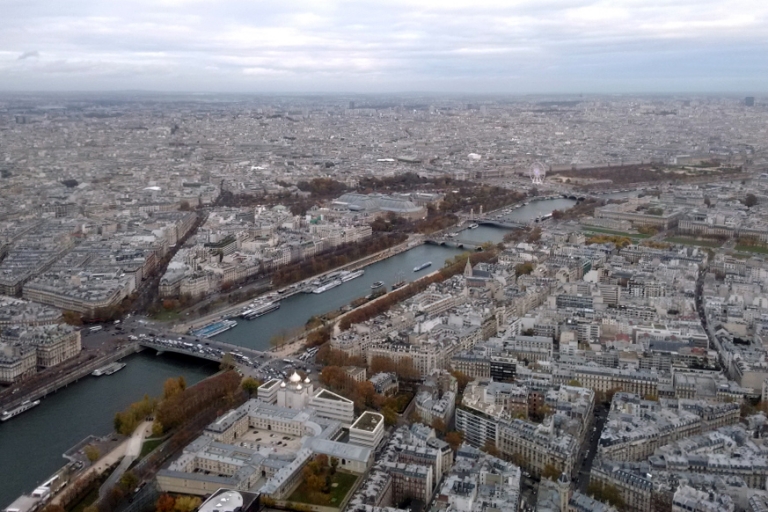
<point>295,393</point>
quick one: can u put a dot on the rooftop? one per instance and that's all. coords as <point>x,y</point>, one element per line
<point>368,421</point>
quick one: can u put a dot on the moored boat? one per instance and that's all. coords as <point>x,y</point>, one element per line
<point>25,406</point>
<point>422,266</point>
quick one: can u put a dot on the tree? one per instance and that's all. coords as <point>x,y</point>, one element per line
<point>518,459</point>
<point>367,391</point>
<point>523,269</point>
<point>157,429</point>
<point>165,503</point>
<point>439,425</point>
<point>322,461</point>
<point>250,386</point>
<point>390,416</point>
<point>661,501</point>
<point>462,379</point>
<point>53,507</point>
<point>227,362</point>
<point>186,503</point>
<point>707,202</point>
<point>534,235</point>
<point>606,493</point>
<point>609,394</point>
<point>314,483</point>
<point>454,439</point>
<point>334,465</point>
<point>114,497</point>
<point>92,453</point>
<point>750,200</point>
<point>129,481</point>
<point>266,501</point>
<point>648,230</point>
<point>490,448</point>
<point>171,387</point>
<point>72,318</point>
<point>550,472</point>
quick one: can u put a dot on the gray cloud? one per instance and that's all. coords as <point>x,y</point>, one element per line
<point>27,55</point>
<point>313,45</point>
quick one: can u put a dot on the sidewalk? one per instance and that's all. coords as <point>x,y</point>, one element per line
<point>131,446</point>
<point>131,452</point>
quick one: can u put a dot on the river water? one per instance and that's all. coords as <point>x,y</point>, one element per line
<point>31,444</point>
<point>296,310</point>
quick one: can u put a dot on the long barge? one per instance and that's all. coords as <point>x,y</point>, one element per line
<point>214,329</point>
<point>25,406</point>
<point>108,369</point>
<point>260,310</point>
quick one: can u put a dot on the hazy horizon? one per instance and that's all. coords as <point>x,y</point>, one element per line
<point>549,47</point>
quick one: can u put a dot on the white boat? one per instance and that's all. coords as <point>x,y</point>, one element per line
<point>328,286</point>
<point>348,276</point>
<point>422,266</point>
<point>108,369</point>
<point>25,406</point>
<point>473,226</point>
<point>377,284</point>
<point>261,310</point>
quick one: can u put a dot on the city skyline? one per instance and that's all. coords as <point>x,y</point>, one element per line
<point>334,47</point>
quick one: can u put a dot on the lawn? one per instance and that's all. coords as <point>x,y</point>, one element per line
<point>403,398</point>
<point>752,248</point>
<point>344,482</point>
<point>88,499</point>
<point>149,445</point>
<point>693,241</point>
<point>166,316</point>
<point>612,232</point>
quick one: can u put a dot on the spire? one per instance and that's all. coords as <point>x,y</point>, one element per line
<point>468,269</point>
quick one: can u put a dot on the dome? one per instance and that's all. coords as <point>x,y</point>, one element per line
<point>306,381</point>
<point>298,386</point>
<point>295,378</point>
<point>282,384</point>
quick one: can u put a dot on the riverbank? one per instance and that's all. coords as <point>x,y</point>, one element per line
<point>410,243</point>
<point>70,377</point>
<point>287,323</point>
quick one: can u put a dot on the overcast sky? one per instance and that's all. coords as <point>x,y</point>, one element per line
<point>505,46</point>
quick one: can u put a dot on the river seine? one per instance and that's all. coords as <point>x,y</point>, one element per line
<point>32,443</point>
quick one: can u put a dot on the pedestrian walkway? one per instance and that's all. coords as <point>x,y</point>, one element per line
<point>131,449</point>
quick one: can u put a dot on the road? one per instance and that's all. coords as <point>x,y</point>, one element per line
<point>588,457</point>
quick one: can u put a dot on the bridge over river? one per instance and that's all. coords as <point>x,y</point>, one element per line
<point>214,350</point>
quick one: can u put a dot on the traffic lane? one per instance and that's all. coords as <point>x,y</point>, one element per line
<point>582,478</point>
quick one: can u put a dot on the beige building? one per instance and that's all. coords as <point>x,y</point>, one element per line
<point>367,430</point>
<point>332,406</point>
<point>17,363</point>
<point>24,350</point>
